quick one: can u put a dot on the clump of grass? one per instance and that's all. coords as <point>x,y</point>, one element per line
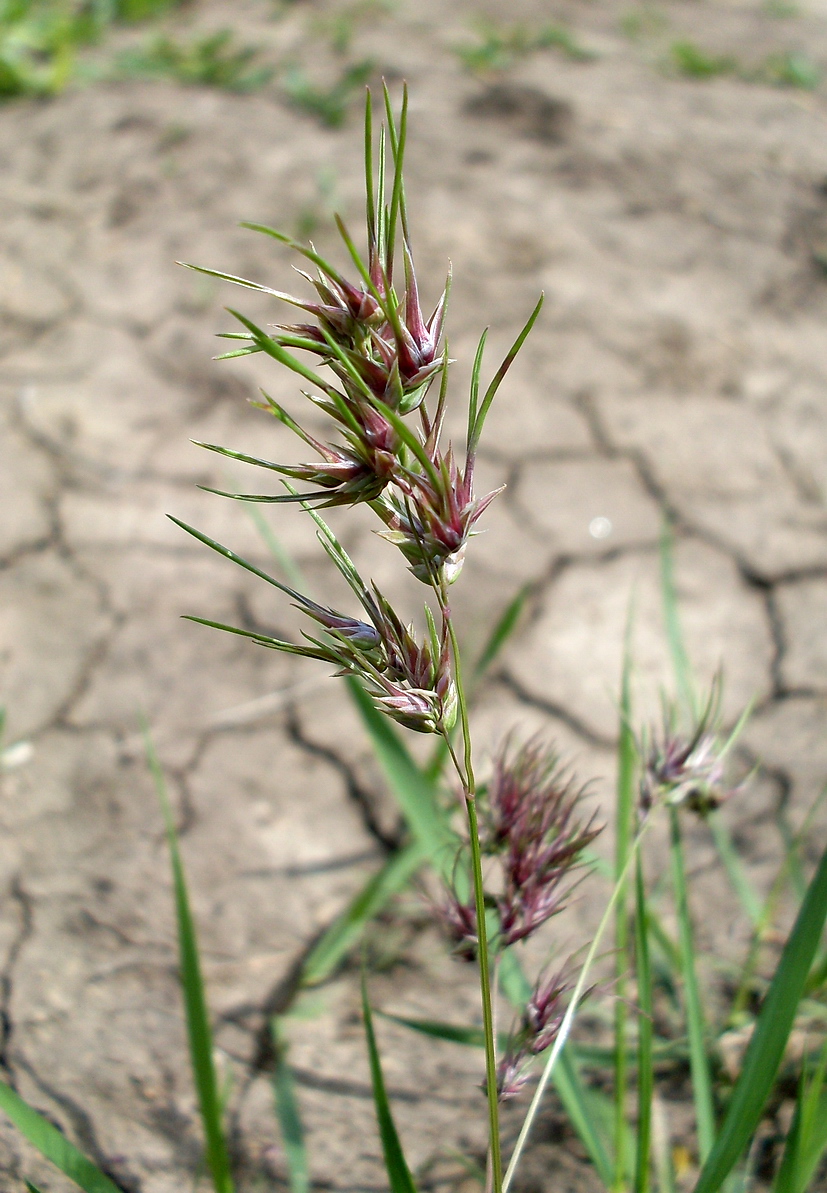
<point>212,61</point>
<point>330,105</point>
<point>781,10</point>
<point>688,58</point>
<point>499,47</point>
<point>787,68</point>
<point>340,27</point>
<point>790,69</point>
<point>320,210</point>
<point>40,39</point>
<point>645,21</point>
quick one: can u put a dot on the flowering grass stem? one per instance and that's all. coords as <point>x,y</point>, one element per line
<point>466,774</point>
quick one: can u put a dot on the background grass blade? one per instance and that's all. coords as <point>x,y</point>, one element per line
<point>52,1144</point>
<point>698,1057</point>
<point>645,1063</point>
<point>807,1138</point>
<point>399,1175</point>
<point>348,928</point>
<point>669,597</point>
<point>742,886</point>
<point>685,683</point>
<point>288,1115</point>
<point>590,1113</point>
<point>195,1004</point>
<point>766,1048</point>
<point>624,831</point>
<point>454,1033</point>
<point>502,631</point>
<point>414,792</point>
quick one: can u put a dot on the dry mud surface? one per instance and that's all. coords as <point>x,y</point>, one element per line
<point>676,227</point>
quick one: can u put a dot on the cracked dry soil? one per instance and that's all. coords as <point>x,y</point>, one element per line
<point>679,369</point>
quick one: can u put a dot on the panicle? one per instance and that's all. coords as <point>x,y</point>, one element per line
<point>430,517</point>
<point>686,769</point>
<point>531,821</point>
<point>417,689</point>
<point>536,1031</point>
<point>459,921</point>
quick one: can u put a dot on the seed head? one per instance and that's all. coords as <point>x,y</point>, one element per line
<point>686,769</point>
<point>431,517</point>
<point>531,822</point>
<point>537,1030</point>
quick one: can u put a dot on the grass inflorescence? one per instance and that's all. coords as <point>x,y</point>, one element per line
<point>503,852</point>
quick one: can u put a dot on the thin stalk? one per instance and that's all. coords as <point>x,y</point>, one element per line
<point>645,1064</point>
<point>699,1063</point>
<point>568,1018</point>
<point>623,836</point>
<point>468,782</point>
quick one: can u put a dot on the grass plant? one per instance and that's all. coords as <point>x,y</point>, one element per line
<point>40,39</point>
<point>378,368</point>
<point>500,47</point>
<point>212,61</point>
<point>330,104</point>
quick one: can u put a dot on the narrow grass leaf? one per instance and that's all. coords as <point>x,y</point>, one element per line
<point>766,1048</point>
<point>52,1144</point>
<point>195,1003</point>
<point>671,617</point>
<point>645,1063</point>
<point>399,1175</point>
<point>490,393</point>
<point>289,1115</point>
<point>807,1138</point>
<point>415,794</point>
<point>624,830</point>
<point>454,1033</point>
<point>742,886</point>
<point>695,1020</point>
<point>501,632</point>
<point>590,1113</point>
<point>348,928</point>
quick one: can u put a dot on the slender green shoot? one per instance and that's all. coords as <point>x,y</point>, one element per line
<point>807,1138</point>
<point>490,393</point>
<point>769,1040</point>
<point>399,1174</point>
<point>195,1003</point>
<point>53,1144</point>
<point>645,1061</point>
<point>624,831</point>
<point>348,928</point>
<point>698,1051</point>
<point>289,1114</point>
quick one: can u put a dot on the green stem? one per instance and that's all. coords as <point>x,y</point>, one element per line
<point>645,1066</point>
<point>470,792</point>
<point>624,829</point>
<point>699,1063</point>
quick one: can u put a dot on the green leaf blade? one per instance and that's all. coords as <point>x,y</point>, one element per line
<point>54,1145</point>
<point>349,927</point>
<point>766,1048</point>
<point>289,1116</point>
<point>399,1175</point>
<point>195,1004</point>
